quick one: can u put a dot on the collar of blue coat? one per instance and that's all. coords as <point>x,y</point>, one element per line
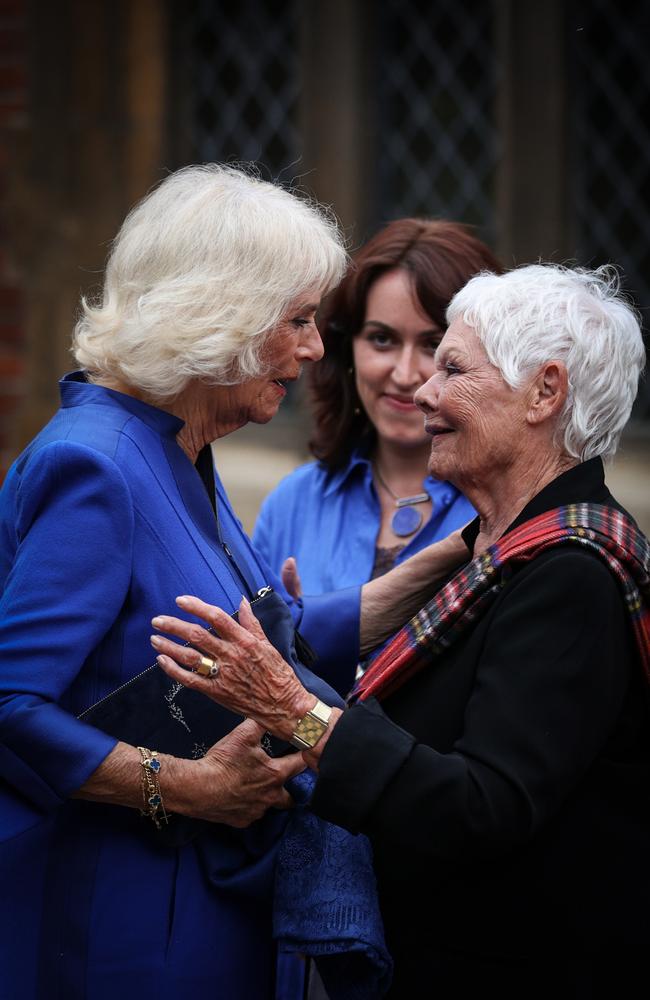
<point>77,391</point>
<point>442,493</point>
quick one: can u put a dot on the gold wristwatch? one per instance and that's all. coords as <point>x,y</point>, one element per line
<point>312,726</point>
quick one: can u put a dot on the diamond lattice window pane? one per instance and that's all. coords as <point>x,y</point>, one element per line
<point>612,128</point>
<point>437,95</point>
<point>244,81</point>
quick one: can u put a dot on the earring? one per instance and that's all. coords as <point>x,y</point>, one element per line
<point>350,370</point>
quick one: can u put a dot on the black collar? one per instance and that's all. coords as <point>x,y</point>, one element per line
<point>204,465</point>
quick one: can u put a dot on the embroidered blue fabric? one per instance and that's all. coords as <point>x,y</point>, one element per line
<point>326,903</point>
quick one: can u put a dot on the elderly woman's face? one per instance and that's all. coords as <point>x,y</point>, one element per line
<point>211,411</point>
<point>476,421</point>
<point>294,340</point>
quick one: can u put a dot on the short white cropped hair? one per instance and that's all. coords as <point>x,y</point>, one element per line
<point>545,312</point>
<point>202,268</point>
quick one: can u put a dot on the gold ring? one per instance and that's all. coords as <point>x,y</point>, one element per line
<point>207,667</point>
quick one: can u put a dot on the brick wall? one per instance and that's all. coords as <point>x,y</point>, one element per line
<point>13,126</point>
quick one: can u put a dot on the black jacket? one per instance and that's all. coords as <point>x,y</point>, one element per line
<point>506,789</point>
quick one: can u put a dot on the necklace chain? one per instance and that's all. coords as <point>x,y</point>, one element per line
<point>401,501</point>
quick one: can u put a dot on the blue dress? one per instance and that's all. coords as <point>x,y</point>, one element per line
<point>330,521</point>
<point>103,522</point>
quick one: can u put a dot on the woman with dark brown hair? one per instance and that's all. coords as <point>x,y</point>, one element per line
<point>368,503</point>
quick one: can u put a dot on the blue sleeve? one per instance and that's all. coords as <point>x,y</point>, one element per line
<point>279,525</point>
<point>330,624</point>
<point>288,516</point>
<point>68,580</point>
<point>263,533</point>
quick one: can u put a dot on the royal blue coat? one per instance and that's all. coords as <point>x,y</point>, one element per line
<point>103,522</point>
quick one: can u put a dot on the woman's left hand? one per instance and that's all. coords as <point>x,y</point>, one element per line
<point>252,680</point>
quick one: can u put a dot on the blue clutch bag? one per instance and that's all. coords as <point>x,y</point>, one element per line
<point>152,710</point>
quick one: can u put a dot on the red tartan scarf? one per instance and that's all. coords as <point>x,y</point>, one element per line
<point>612,536</point>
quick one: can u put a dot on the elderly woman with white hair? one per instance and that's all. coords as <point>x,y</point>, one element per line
<point>207,313</point>
<point>497,751</point>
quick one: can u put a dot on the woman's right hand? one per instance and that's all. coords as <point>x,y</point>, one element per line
<point>390,600</point>
<point>235,783</point>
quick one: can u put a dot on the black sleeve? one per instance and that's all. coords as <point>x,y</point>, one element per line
<point>549,685</point>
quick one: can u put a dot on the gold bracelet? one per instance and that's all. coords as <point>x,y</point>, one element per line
<point>154,807</point>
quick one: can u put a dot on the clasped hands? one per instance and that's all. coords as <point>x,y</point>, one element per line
<point>253,680</point>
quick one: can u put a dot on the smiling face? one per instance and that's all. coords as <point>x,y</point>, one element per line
<point>393,355</point>
<point>477,423</point>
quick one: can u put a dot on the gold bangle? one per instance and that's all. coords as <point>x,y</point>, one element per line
<point>152,798</point>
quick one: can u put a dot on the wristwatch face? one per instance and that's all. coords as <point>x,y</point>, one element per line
<point>310,730</point>
<point>312,726</point>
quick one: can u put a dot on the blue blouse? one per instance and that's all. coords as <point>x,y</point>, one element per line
<point>330,523</point>
<point>103,522</point>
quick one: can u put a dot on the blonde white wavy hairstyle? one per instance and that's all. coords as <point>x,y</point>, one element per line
<point>546,312</point>
<point>200,273</point>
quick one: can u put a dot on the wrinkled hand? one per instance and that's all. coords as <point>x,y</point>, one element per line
<point>253,679</point>
<point>388,601</point>
<point>291,578</point>
<point>235,783</point>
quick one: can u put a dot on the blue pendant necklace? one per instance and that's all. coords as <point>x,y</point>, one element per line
<point>406,520</point>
